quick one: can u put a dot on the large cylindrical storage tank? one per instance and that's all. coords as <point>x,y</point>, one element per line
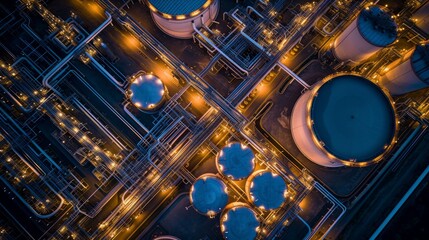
<point>344,120</point>
<point>235,161</point>
<point>208,195</point>
<point>175,17</point>
<point>239,222</point>
<point>372,30</point>
<point>409,73</point>
<point>421,17</point>
<point>147,92</point>
<point>266,190</point>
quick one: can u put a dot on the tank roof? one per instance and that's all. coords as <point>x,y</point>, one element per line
<point>208,194</point>
<point>177,7</point>
<point>353,119</point>
<point>377,26</point>
<point>420,62</point>
<point>235,161</point>
<point>266,189</point>
<point>239,223</point>
<point>146,91</point>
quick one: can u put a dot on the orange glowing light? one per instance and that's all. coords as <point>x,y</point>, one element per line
<point>131,42</point>
<point>96,9</point>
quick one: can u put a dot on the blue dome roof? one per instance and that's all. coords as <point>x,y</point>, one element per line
<point>208,194</point>
<point>353,118</point>
<point>267,190</point>
<point>177,7</point>
<point>239,223</point>
<point>377,26</point>
<point>147,92</point>
<point>236,161</point>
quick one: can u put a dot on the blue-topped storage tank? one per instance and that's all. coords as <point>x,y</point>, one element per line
<point>409,73</point>
<point>147,92</point>
<point>235,161</point>
<point>372,30</point>
<point>239,222</point>
<point>344,120</point>
<point>266,190</point>
<point>208,194</point>
<point>176,17</point>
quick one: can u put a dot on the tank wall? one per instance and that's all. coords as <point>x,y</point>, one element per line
<point>350,45</point>
<point>302,135</point>
<point>183,28</point>
<point>400,78</point>
<point>422,18</point>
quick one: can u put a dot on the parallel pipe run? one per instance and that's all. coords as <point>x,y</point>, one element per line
<point>107,104</point>
<point>99,124</point>
<point>42,216</point>
<point>79,47</point>
<point>209,41</point>
<point>247,36</point>
<point>335,201</point>
<point>109,76</point>
<point>293,75</point>
<point>307,236</point>
<point>135,118</point>
<point>400,203</point>
<point>25,109</point>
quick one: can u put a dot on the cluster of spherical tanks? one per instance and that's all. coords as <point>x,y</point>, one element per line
<point>264,190</point>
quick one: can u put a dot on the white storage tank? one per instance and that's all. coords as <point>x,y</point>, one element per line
<point>421,17</point>
<point>344,120</point>
<point>372,30</point>
<point>175,17</point>
<point>409,73</point>
<point>147,92</point>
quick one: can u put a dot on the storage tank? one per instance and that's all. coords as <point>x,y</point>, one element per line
<point>235,161</point>
<point>208,195</point>
<point>372,30</point>
<point>175,17</point>
<point>147,92</point>
<point>344,120</point>
<point>239,222</point>
<point>409,73</point>
<point>266,190</point>
<point>421,17</point>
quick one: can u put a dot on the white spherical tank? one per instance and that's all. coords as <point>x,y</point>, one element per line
<point>344,120</point>
<point>410,73</point>
<point>372,30</point>
<point>176,17</point>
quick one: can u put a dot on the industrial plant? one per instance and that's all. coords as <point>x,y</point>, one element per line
<point>214,119</point>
